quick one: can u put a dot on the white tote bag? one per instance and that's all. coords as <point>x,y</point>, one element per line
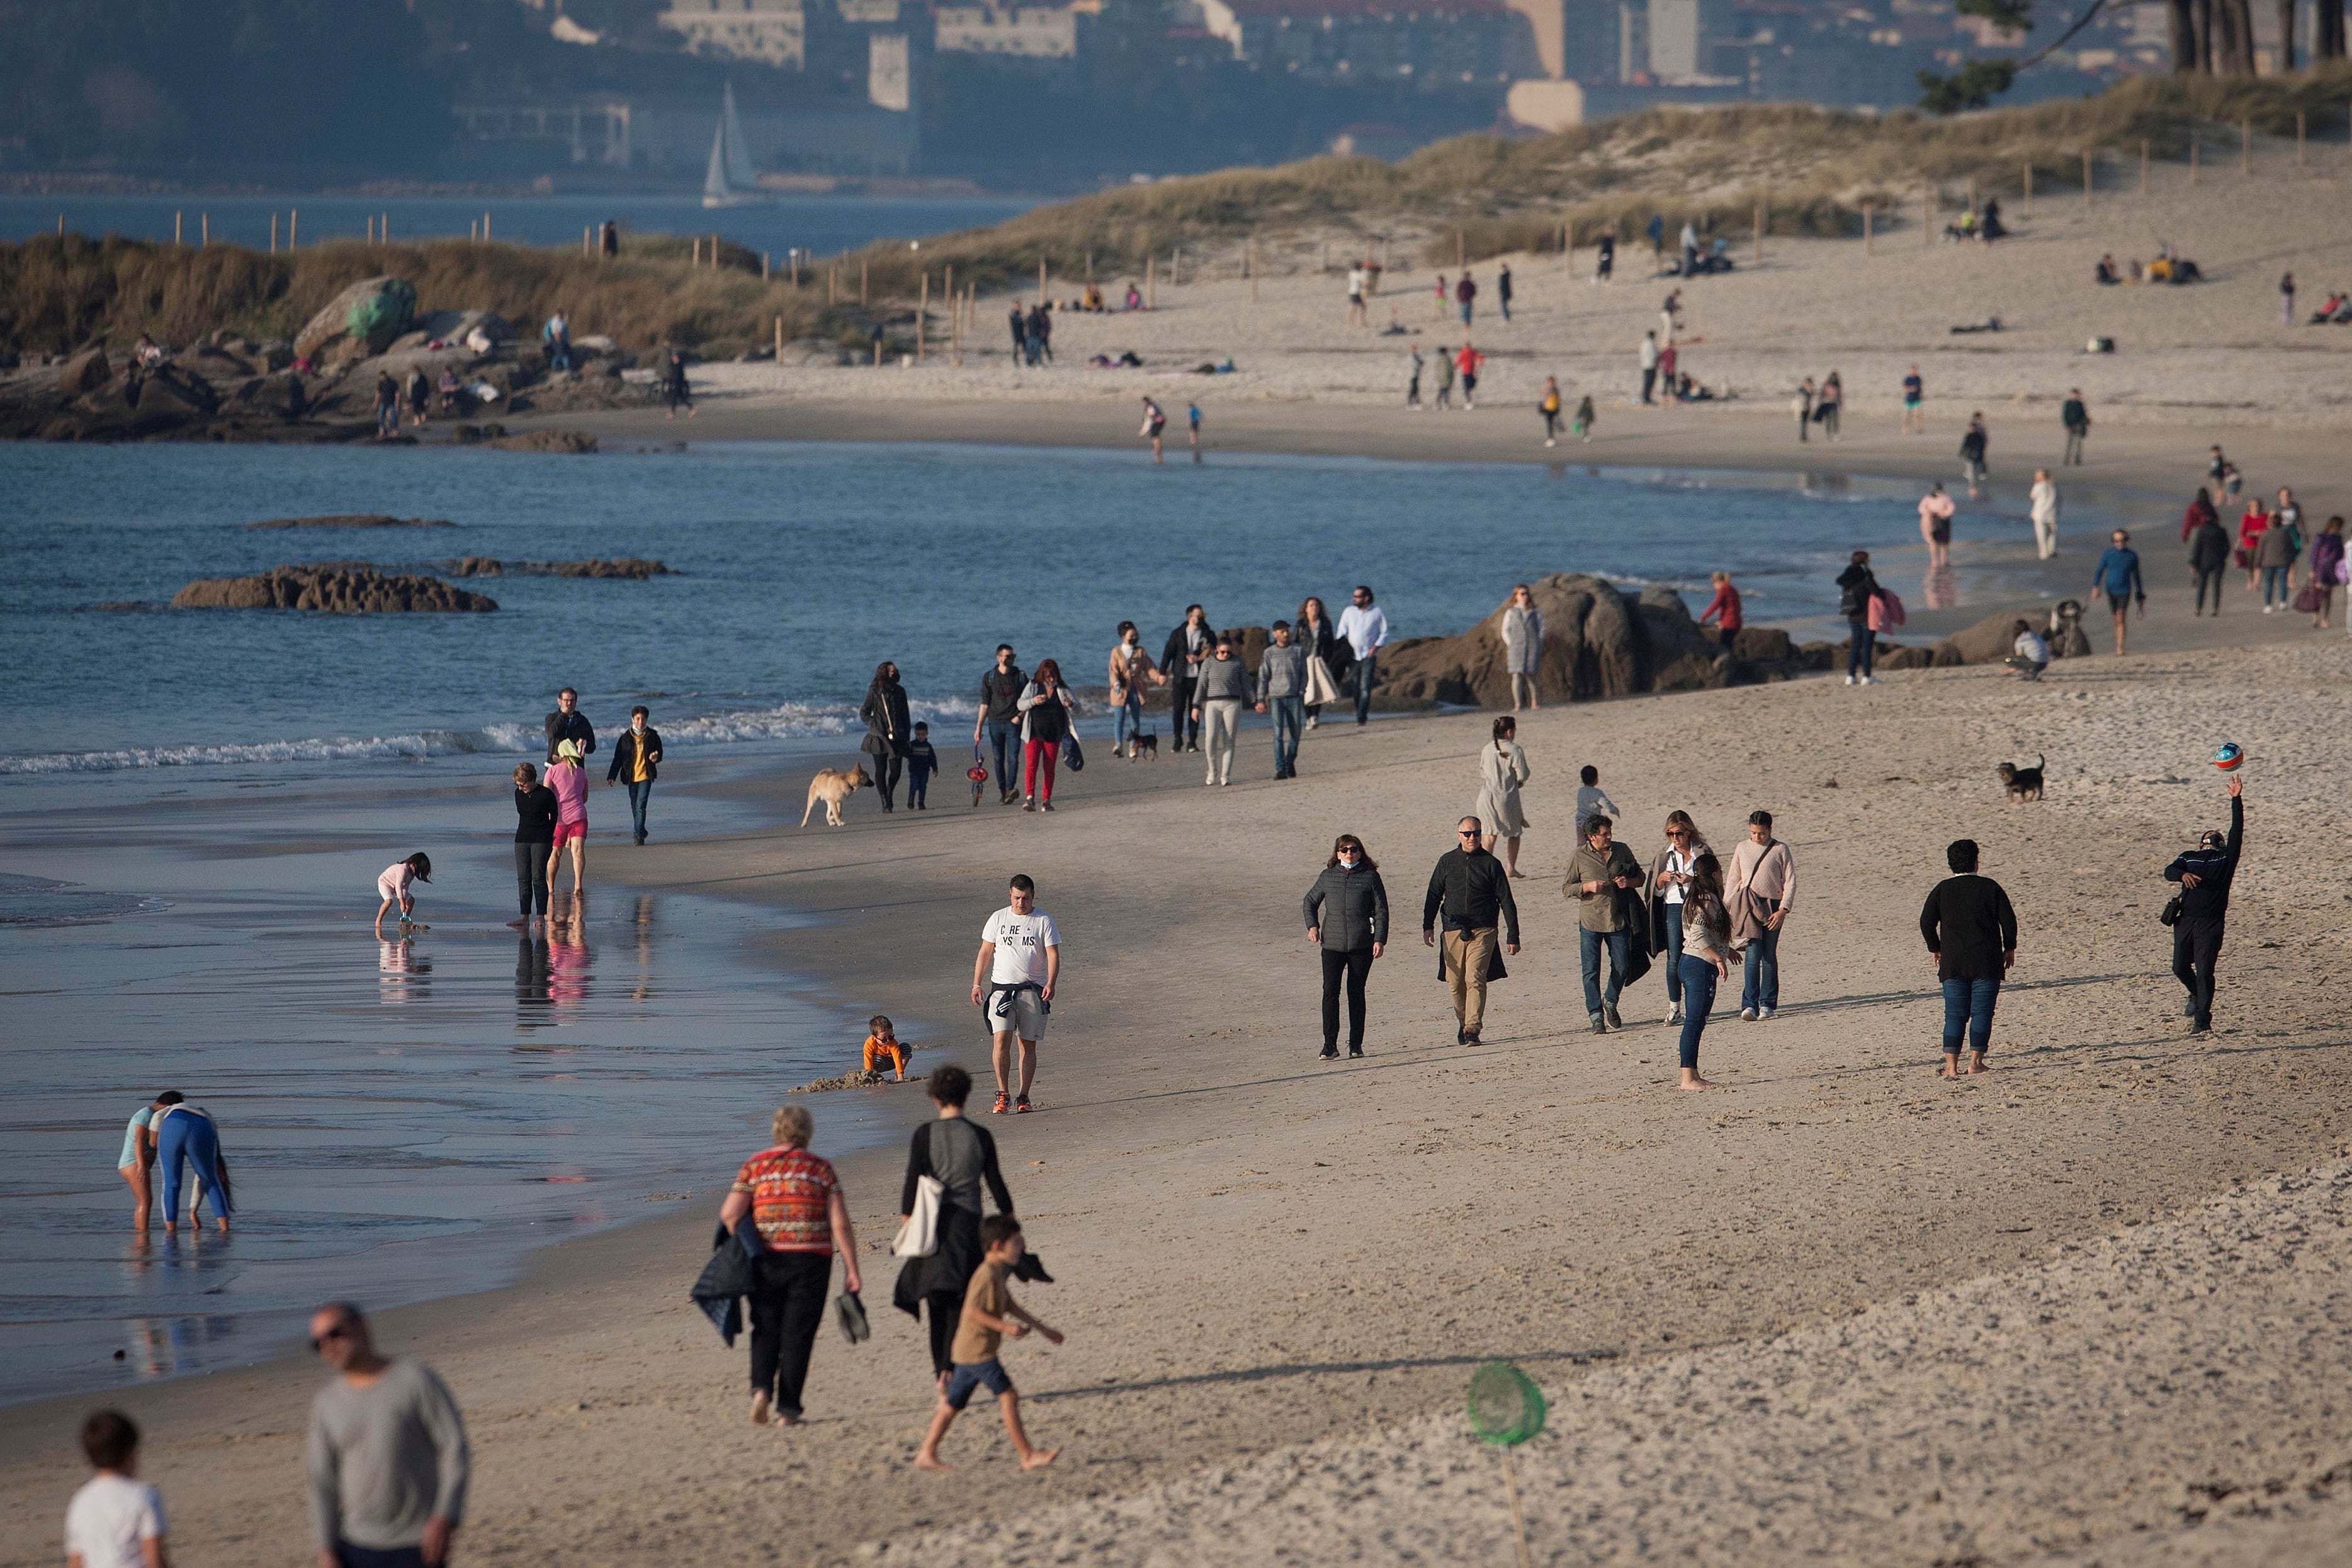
<point>1321,688</point>
<point>918,1233</point>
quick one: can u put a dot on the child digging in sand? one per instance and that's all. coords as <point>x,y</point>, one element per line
<point>392,888</point>
<point>990,1313</point>
<point>883,1045</point>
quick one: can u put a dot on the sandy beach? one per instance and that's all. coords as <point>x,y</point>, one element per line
<point>2084,1307</point>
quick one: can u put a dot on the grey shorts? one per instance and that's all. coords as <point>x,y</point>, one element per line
<point>1017,1013</point>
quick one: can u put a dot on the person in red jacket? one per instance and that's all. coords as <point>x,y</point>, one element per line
<point>1723,609</point>
<point>2201,512</point>
<point>1469,361</point>
<point>2250,529</point>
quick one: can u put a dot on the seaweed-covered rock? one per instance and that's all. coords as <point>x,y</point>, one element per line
<point>632,566</point>
<point>362,319</point>
<point>343,588</point>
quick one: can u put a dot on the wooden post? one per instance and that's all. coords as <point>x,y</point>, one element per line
<point>2193,159</point>
<point>176,226</point>
<point>293,228</point>
<point>371,229</point>
<point>864,281</point>
<point>697,252</point>
<point>1461,251</point>
<point>922,315</point>
<point>2029,188</point>
<point>273,232</point>
<point>763,266</point>
<point>1760,229</point>
<point>2298,137</point>
<point>1867,239</point>
<point>273,229</point>
<point>384,226</point>
<point>486,225</point>
<point>1041,280</point>
<point>2245,147</point>
<point>2143,165</point>
<point>780,339</point>
<point>2086,178</point>
<point>832,284</point>
<point>1927,215</point>
<point>204,231</point>
<point>1151,283</point>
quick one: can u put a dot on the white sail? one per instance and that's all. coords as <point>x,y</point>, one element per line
<point>739,154</point>
<point>715,193</point>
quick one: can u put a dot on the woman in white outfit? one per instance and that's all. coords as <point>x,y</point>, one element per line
<point>1523,633</point>
<point>2042,503</point>
<point>1502,769</point>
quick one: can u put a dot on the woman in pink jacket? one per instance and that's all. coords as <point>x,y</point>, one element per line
<point>569,782</point>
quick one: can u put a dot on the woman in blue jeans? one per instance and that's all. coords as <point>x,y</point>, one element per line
<point>184,1132</point>
<point>1707,957</point>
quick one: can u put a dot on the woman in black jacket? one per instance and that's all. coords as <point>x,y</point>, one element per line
<point>957,1152</point>
<point>1857,586</point>
<point>534,843</point>
<point>1347,914</point>
<point>1316,633</point>
<point>887,729</point>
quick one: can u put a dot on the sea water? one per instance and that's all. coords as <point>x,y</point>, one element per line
<point>193,804</point>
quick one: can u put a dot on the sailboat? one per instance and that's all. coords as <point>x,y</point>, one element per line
<point>730,182</point>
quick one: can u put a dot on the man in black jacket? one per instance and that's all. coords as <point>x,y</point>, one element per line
<point>1971,933</point>
<point>2204,874</point>
<point>636,761</point>
<point>1470,891</point>
<point>1187,648</point>
<point>999,714</point>
<point>568,723</point>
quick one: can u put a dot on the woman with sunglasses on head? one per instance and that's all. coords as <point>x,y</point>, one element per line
<point>1706,957</point>
<point>1347,914</point>
<point>1664,890</point>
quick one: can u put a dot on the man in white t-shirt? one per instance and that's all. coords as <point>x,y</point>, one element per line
<point>114,1520</point>
<point>1013,982</point>
<point>1365,625</point>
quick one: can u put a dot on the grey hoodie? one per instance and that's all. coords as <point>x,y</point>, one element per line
<point>1282,673</point>
<point>1223,680</point>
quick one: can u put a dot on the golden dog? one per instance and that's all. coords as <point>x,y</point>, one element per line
<point>831,786</point>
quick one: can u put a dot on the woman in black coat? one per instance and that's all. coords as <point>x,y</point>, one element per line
<point>887,729</point>
<point>1314,632</point>
<point>957,1152</point>
<point>1347,914</point>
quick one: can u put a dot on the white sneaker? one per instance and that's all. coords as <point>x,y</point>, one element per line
<point>1674,1013</point>
<point>1849,680</point>
<point>1870,680</point>
<point>1763,1013</point>
<point>1747,1015</point>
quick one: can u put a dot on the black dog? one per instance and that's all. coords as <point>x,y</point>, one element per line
<point>1143,745</point>
<point>2021,782</point>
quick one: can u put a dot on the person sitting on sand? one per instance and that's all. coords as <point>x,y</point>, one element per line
<point>990,1313</point>
<point>2106,272</point>
<point>2029,655</point>
<point>883,1045</point>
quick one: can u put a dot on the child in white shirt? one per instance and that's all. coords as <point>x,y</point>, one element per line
<point>1590,799</point>
<point>114,1520</point>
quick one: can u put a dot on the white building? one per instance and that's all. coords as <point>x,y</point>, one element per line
<point>774,31</point>
<point>1035,32</point>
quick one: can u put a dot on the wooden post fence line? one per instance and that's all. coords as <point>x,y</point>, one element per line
<point>273,231</point>
<point>204,231</point>
<point>294,228</point>
<point>486,225</point>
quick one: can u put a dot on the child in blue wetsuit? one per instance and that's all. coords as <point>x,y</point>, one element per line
<point>185,1133</point>
<point>921,763</point>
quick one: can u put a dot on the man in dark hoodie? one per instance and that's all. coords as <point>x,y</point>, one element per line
<point>2209,554</point>
<point>568,723</point>
<point>2205,874</point>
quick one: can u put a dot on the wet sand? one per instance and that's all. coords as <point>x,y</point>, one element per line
<point>1257,1251</point>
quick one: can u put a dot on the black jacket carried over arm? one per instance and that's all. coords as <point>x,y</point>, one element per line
<point>2215,869</point>
<point>1968,925</point>
<point>1471,891</point>
<point>1351,907</point>
<point>625,755</point>
<point>573,725</point>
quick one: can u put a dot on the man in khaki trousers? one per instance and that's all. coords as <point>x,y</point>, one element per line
<point>1471,893</point>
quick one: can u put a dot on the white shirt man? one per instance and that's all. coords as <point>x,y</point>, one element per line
<point>2042,504</point>
<point>1012,981</point>
<point>1366,627</point>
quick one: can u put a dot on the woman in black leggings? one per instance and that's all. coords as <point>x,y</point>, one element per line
<point>534,843</point>
<point>1347,914</point>
<point>959,1154</point>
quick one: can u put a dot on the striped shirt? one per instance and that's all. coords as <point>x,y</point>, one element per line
<point>792,1192</point>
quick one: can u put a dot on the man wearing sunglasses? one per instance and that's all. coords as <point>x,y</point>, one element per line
<point>1471,893</point>
<point>388,1459</point>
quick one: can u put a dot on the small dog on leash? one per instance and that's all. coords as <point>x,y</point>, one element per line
<point>833,786</point>
<point>1143,746</point>
<point>2022,783</point>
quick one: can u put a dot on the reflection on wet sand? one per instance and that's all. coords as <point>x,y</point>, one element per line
<point>1937,590</point>
<point>644,990</point>
<point>402,974</point>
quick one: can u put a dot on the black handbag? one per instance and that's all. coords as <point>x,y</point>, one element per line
<point>1072,758</point>
<point>2171,914</point>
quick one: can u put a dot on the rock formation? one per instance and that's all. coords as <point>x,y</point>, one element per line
<point>347,588</point>
<point>630,567</point>
<point>354,520</point>
<point>571,441</point>
<point>362,319</point>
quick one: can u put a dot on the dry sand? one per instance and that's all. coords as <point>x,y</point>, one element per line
<point>1838,1310</point>
<point>2214,355</point>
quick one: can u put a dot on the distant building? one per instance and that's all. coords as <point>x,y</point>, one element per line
<point>1031,32</point>
<point>1430,41</point>
<point>774,32</point>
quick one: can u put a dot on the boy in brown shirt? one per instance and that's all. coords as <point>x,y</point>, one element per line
<point>990,1313</point>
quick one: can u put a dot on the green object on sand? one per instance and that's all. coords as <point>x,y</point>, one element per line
<point>1505,1405</point>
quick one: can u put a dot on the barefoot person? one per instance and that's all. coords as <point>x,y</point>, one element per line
<point>2117,576</point>
<point>534,844</point>
<point>568,782</point>
<point>1502,769</point>
<point>990,1313</point>
<point>388,1456</point>
<point>114,1520</point>
<point>1971,934</point>
<point>1012,981</point>
<point>1935,509</point>
<point>186,1136</point>
<point>1705,944</point>
<point>1667,887</point>
<point>1469,889</point>
<point>794,1201</point>
<point>137,1161</point>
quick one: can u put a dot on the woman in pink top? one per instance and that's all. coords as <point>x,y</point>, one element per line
<point>1936,510</point>
<point>569,782</point>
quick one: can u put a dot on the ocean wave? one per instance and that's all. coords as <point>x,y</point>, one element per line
<point>786,721</point>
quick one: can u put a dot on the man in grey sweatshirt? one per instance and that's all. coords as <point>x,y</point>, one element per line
<point>1282,688</point>
<point>1217,704</point>
<point>387,1460</point>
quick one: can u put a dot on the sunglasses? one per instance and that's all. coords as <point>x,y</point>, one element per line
<point>1467,832</point>
<point>319,1341</point>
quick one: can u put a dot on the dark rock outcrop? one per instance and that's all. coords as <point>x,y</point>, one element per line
<point>362,319</point>
<point>348,588</point>
<point>559,441</point>
<point>352,520</point>
<point>630,567</point>
<point>85,372</point>
<point>1598,642</point>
